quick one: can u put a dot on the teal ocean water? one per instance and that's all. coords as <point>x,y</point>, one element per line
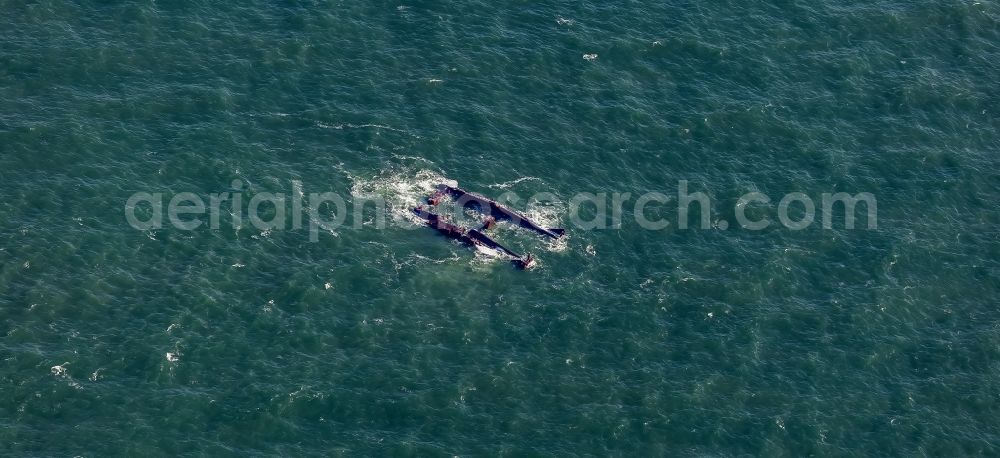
<point>622,342</point>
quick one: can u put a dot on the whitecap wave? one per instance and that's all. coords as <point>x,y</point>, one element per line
<point>399,189</point>
<point>342,126</point>
<point>509,184</point>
